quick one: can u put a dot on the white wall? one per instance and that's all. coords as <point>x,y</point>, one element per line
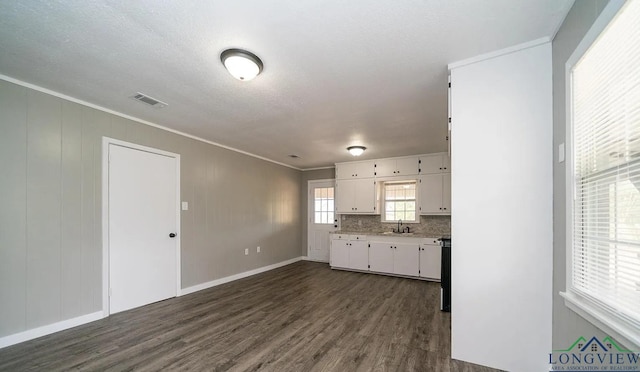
<point>502,210</point>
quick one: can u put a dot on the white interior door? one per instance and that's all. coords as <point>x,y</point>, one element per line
<point>322,219</point>
<point>143,210</point>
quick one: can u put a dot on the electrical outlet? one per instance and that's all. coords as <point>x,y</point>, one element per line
<point>246,251</point>
<point>258,249</point>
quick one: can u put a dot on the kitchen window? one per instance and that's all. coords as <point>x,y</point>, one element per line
<point>603,174</point>
<point>400,201</point>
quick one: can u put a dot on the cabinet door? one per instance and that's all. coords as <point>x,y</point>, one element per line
<point>407,166</point>
<point>406,259</point>
<point>430,194</point>
<point>339,256</point>
<point>381,257</point>
<point>385,167</point>
<point>363,169</point>
<point>430,261</point>
<point>345,171</point>
<point>446,163</point>
<point>358,255</point>
<point>364,195</point>
<point>431,164</point>
<point>446,192</point>
<point>345,193</point>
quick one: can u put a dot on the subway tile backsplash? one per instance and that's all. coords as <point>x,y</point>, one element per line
<point>429,225</point>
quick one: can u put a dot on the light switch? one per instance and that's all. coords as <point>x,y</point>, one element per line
<point>561,153</point>
<point>185,206</point>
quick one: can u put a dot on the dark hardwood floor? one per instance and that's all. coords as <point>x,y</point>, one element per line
<point>301,317</point>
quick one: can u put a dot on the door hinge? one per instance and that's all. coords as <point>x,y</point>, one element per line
<point>369,245</point>
<point>449,84</point>
<point>368,266</point>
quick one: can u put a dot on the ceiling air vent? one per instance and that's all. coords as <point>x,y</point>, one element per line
<point>149,100</point>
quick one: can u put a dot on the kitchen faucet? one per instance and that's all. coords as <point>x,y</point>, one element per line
<point>399,224</point>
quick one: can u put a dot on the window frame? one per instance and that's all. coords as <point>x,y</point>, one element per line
<point>330,212</point>
<point>600,316</point>
<point>383,200</point>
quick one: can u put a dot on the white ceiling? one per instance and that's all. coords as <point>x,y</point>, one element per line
<point>337,73</point>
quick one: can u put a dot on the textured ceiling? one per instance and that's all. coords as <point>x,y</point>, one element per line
<point>336,73</point>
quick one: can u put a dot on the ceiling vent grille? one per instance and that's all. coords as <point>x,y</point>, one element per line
<point>149,100</point>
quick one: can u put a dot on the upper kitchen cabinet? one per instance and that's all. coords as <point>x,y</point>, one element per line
<point>435,163</point>
<point>356,196</point>
<point>405,166</point>
<point>435,194</point>
<point>356,169</point>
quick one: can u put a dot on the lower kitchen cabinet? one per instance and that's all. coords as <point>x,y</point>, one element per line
<point>406,256</point>
<point>394,258</point>
<point>381,257</point>
<point>430,260</point>
<point>349,252</point>
<point>339,253</point>
<point>406,259</point>
<point>358,255</point>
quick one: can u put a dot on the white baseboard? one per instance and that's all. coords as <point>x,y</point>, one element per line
<point>48,329</point>
<point>231,278</point>
<point>307,258</point>
<point>70,323</point>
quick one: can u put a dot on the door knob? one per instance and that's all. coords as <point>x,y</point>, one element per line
<point>172,235</point>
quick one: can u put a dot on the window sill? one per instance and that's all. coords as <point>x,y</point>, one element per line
<point>622,331</point>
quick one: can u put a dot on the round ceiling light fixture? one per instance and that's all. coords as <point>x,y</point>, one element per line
<point>356,150</point>
<point>241,64</point>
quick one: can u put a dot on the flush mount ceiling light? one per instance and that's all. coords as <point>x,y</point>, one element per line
<point>356,150</point>
<point>241,64</point>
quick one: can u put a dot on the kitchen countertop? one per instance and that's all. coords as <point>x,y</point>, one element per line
<point>385,233</point>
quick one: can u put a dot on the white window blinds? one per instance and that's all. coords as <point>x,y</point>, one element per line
<point>605,104</point>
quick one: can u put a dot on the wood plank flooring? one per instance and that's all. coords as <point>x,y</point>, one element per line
<point>301,317</point>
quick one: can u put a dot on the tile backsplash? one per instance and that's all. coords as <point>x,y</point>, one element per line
<point>429,225</point>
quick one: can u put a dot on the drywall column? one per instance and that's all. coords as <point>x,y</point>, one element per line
<point>502,208</point>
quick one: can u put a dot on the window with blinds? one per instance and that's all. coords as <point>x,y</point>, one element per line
<point>605,117</point>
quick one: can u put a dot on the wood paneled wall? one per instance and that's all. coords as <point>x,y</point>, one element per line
<point>51,217</point>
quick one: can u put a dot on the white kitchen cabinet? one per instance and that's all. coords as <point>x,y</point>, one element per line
<point>339,252</point>
<point>430,260</point>
<point>359,169</point>
<point>381,257</point>
<point>435,193</point>
<point>394,167</point>
<point>349,251</point>
<point>394,257</point>
<point>406,259</point>
<point>446,192</point>
<point>356,196</point>
<point>435,163</point>
<point>358,255</point>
